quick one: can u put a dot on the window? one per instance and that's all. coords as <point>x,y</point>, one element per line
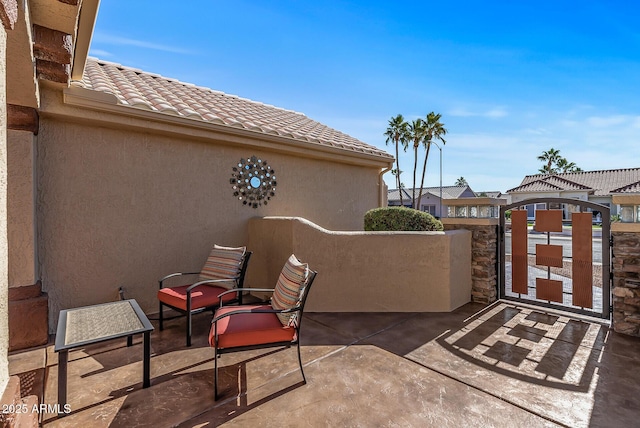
<point>431,209</point>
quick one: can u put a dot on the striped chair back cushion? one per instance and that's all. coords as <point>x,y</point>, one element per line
<point>289,288</point>
<point>223,263</point>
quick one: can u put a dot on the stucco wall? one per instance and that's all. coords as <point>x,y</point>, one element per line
<point>21,209</point>
<point>366,271</point>
<point>118,206</point>
<point>4,252</point>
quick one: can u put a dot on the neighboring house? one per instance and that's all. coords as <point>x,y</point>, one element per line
<point>592,186</point>
<point>118,176</point>
<point>430,200</point>
<point>490,194</point>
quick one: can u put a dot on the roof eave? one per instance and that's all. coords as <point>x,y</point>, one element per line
<point>105,102</point>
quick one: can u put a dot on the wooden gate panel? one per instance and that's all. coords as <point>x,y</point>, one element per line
<point>549,289</point>
<point>548,221</point>
<point>582,269</point>
<point>549,255</point>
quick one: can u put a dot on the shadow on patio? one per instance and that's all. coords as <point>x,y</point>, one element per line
<point>502,365</point>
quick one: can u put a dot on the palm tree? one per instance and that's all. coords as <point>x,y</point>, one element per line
<point>434,129</point>
<point>397,133</point>
<point>461,182</point>
<point>551,157</point>
<point>565,166</point>
<point>416,134</point>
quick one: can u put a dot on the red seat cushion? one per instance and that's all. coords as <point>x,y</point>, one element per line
<point>202,296</point>
<point>250,328</point>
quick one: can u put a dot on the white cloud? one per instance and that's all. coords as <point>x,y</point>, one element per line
<point>124,41</point>
<point>603,122</point>
<point>99,53</point>
<point>495,113</point>
<point>492,113</point>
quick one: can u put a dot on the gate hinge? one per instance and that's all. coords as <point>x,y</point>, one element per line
<point>611,241</point>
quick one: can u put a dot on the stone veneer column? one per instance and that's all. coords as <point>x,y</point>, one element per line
<point>626,271</point>
<point>484,247</point>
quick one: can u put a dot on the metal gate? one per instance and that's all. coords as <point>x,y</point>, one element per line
<point>550,255</point>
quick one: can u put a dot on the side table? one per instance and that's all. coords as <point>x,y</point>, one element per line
<point>87,325</point>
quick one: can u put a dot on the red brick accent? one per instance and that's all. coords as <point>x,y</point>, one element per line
<point>52,45</point>
<point>22,118</point>
<point>28,317</point>
<point>53,71</point>
<point>8,13</point>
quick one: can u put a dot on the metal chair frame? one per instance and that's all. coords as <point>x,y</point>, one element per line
<point>239,280</point>
<point>299,309</point>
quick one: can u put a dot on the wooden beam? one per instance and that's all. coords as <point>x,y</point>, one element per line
<point>52,45</point>
<point>21,118</point>
<point>53,71</point>
<point>8,13</point>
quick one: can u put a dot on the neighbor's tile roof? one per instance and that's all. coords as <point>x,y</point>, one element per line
<point>448,192</point>
<point>630,188</point>
<point>489,194</point>
<point>394,195</point>
<point>153,92</point>
<point>597,182</point>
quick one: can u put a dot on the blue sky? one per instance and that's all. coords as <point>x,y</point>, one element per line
<point>511,79</point>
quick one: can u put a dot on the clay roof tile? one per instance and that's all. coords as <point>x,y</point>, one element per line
<point>154,92</point>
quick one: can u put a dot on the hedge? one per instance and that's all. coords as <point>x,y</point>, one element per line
<point>400,219</point>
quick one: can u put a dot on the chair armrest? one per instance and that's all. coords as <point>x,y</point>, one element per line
<point>213,281</point>
<point>256,311</point>
<point>161,280</point>
<point>235,290</point>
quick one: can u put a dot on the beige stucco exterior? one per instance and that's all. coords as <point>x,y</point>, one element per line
<point>4,247</point>
<point>21,208</point>
<point>123,200</point>
<point>366,271</point>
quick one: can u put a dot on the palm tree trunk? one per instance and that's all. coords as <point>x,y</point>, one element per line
<point>398,171</point>
<point>415,166</point>
<point>424,169</point>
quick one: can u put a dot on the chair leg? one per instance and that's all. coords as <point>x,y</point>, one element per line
<point>215,376</point>
<point>160,316</point>
<point>300,361</point>
<point>189,328</point>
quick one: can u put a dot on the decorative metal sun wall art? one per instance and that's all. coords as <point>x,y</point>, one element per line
<point>253,181</point>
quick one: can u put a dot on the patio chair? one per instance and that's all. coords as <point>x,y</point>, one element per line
<point>246,327</point>
<point>221,279</point>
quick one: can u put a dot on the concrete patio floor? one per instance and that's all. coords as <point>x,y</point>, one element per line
<point>503,365</point>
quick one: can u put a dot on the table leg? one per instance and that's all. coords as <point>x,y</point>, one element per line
<point>146,375</point>
<point>63,358</point>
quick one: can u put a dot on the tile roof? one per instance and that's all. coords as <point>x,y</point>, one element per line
<point>143,90</point>
<point>630,188</point>
<point>489,194</point>
<point>394,195</point>
<point>599,183</point>
<point>448,192</point>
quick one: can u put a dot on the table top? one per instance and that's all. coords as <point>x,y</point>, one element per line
<point>97,323</point>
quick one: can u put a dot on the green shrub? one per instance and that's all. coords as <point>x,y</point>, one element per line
<point>400,219</point>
